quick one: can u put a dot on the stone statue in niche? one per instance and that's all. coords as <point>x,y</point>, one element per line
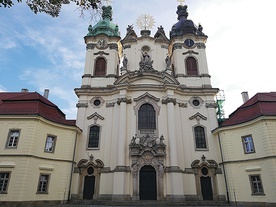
<point>168,62</point>
<point>146,62</point>
<point>125,61</point>
<point>124,67</point>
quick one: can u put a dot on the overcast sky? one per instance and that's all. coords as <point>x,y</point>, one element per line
<point>39,52</point>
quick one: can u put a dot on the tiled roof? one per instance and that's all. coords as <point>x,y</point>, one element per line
<point>31,103</point>
<point>262,104</point>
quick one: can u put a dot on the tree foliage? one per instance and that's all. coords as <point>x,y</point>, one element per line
<point>52,7</point>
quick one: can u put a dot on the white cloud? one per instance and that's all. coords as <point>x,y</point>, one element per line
<point>2,89</point>
<point>240,47</point>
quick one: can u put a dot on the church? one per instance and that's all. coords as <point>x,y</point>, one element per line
<point>147,128</point>
<point>146,123</point>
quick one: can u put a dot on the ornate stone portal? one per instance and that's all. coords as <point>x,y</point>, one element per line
<point>151,151</point>
<point>89,168</point>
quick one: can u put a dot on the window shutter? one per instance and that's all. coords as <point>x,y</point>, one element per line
<point>100,67</point>
<point>191,66</point>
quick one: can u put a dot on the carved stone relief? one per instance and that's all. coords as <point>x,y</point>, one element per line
<point>147,150</point>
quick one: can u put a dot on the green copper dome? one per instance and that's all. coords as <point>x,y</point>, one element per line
<point>105,26</point>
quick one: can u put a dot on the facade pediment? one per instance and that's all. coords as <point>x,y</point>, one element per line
<point>198,116</point>
<point>95,116</point>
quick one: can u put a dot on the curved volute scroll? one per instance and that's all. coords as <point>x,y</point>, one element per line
<point>204,162</point>
<point>84,163</point>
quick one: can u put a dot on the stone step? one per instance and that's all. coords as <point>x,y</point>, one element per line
<point>92,203</point>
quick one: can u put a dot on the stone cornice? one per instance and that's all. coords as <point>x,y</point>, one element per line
<point>124,100</point>
<point>122,169</point>
<point>169,100</point>
<point>192,76</point>
<point>211,105</point>
<point>36,157</point>
<point>90,46</point>
<point>249,160</point>
<point>82,105</point>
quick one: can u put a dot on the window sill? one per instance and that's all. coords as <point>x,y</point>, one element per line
<point>247,153</point>
<point>258,194</point>
<point>7,147</point>
<point>201,149</point>
<point>93,148</point>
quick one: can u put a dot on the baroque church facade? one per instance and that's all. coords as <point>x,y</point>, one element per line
<point>146,123</point>
<point>146,129</point>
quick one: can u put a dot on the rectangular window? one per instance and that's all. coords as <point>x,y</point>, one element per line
<point>43,183</point>
<point>256,185</point>
<point>50,143</point>
<point>13,138</point>
<point>248,144</point>
<point>4,181</point>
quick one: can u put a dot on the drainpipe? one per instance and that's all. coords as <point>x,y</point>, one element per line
<point>72,168</point>
<point>224,172</point>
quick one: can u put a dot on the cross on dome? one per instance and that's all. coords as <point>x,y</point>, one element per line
<point>108,2</point>
<point>181,1</point>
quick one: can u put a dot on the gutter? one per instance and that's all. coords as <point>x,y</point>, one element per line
<point>72,168</point>
<point>224,172</point>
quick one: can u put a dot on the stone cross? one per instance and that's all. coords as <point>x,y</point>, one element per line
<point>181,1</point>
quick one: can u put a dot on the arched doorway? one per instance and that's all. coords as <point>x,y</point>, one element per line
<point>147,183</point>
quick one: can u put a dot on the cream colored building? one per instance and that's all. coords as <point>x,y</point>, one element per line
<point>248,146</point>
<point>37,149</point>
<point>146,110</point>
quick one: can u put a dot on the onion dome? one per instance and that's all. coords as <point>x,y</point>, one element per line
<point>184,25</point>
<point>105,26</point>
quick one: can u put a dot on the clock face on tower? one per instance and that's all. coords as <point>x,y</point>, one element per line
<point>102,43</point>
<point>189,42</point>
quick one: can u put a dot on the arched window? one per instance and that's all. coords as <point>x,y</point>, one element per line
<point>146,117</point>
<point>200,139</point>
<point>191,66</point>
<point>100,67</point>
<point>94,136</point>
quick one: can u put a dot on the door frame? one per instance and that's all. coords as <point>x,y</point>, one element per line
<point>154,181</point>
<point>213,170</point>
<point>83,165</point>
<point>84,185</point>
<point>156,162</point>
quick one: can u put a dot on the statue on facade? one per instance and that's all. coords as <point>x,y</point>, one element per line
<point>146,62</point>
<point>125,61</point>
<point>168,62</point>
<point>124,67</point>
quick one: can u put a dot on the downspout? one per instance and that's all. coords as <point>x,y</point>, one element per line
<point>72,168</point>
<point>224,172</point>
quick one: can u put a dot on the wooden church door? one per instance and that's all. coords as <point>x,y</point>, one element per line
<point>206,188</point>
<point>88,188</point>
<point>147,184</point>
